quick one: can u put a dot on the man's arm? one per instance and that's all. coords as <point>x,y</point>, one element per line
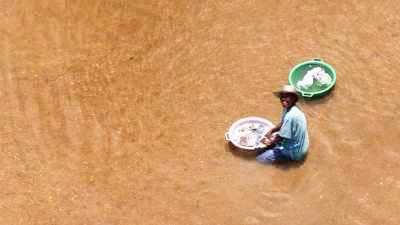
<point>273,130</point>
<point>269,139</point>
<point>276,139</point>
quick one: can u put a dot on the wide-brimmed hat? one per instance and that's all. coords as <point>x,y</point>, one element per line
<point>289,89</point>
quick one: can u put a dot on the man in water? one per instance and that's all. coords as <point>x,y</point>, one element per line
<point>289,139</point>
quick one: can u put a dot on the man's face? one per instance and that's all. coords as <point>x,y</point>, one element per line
<point>287,100</point>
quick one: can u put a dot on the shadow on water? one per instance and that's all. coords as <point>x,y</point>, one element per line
<point>287,165</point>
<point>251,155</point>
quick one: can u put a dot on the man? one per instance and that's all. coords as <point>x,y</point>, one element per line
<point>289,139</point>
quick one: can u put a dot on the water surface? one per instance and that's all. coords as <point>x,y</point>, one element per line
<point>114,112</point>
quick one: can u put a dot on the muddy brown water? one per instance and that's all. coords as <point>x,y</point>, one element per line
<point>114,112</point>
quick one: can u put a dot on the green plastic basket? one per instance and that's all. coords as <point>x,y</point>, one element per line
<point>298,72</point>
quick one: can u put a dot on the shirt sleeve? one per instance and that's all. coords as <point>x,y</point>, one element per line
<point>283,114</point>
<point>286,129</point>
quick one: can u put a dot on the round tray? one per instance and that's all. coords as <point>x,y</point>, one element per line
<point>234,133</point>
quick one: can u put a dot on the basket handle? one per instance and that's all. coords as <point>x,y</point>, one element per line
<point>307,94</point>
<point>317,59</point>
<point>227,136</point>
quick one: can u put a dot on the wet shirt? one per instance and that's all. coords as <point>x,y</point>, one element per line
<point>294,133</point>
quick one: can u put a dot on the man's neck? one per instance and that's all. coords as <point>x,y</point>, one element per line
<point>290,107</point>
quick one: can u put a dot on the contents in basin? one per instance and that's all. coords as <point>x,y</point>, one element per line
<point>314,79</point>
<point>250,134</point>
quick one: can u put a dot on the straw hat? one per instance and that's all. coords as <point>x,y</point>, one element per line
<point>290,89</point>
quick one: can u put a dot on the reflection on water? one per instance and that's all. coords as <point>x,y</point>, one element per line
<point>114,112</point>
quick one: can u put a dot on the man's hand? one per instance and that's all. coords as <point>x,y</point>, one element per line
<point>266,141</point>
<point>269,134</point>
